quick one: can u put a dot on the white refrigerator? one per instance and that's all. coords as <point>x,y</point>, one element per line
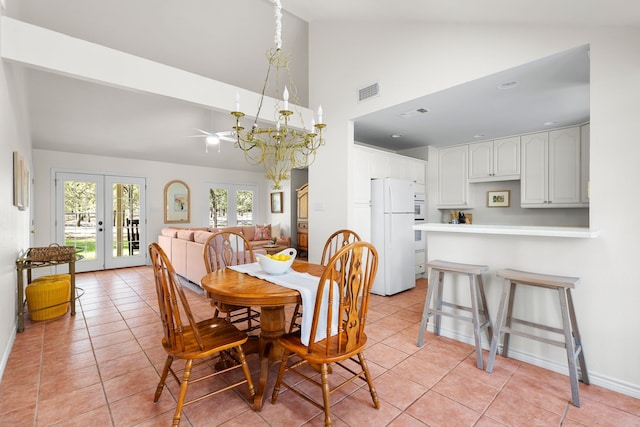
<point>392,219</point>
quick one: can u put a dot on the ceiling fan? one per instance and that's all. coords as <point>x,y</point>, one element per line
<point>214,138</point>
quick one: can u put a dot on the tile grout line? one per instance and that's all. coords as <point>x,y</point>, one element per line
<point>93,350</point>
<point>40,374</point>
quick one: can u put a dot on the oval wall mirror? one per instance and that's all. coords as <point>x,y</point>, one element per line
<point>177,202</point>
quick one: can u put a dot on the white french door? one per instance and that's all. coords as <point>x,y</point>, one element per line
<point>103,216</point>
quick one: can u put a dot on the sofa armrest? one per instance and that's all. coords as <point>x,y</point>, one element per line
<point>284,240</point>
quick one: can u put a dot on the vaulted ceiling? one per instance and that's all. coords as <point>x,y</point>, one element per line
<point>203,37</point>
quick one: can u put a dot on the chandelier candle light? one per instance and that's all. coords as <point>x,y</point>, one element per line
<point>282,148</point>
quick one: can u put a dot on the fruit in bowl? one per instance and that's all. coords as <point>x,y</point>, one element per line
<point>277,263</point>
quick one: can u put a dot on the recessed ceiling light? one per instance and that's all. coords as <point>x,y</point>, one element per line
<point>509,85</point>
<point>550,123</point>
<point>479,135</point>
<point>396,135</point>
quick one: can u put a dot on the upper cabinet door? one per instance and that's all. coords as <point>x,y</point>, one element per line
<point>497,160</point>
<point>564,166</point>
<point>551,169</point>
<point>453,184</point>
<point>506,158</point>
<point>534,184</point>
<point>481,160</point>
<point>585,147</point>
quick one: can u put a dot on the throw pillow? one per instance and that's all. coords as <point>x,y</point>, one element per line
<point>262,233</point>
<point>275,230</point>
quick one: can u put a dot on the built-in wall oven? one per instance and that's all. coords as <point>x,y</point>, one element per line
<point>420,244</point>
<point>419,239</point>
<point>419,207</point>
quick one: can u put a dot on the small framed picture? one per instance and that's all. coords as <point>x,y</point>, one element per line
<point>498,199</point>
<point>276,202</point>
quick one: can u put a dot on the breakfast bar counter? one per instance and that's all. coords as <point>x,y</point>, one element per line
<point>562,251</point>
<point>513,230</point>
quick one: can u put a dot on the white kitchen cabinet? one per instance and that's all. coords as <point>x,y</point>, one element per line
<point>497,160</point>
<point>585,142</point>
<point>367,164</point>
<point>550,169</point>
<point>361,175</point>
<point>453,183</point>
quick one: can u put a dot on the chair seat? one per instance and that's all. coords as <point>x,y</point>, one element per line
<point>216,334</point>
<point>456,267</point>
<point>316,352</point>
<point>537,279</point>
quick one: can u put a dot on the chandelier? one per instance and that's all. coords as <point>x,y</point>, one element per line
<point>281,148</point>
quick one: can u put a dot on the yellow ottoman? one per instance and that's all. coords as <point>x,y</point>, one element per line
<point>48,296</point>
<point>51,277</point>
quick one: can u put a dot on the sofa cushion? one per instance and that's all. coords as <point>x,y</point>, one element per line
<point>200,236</point>
<point>248,231</point>
<point>169,232</point>
<point>262,232</point>
<point>185,235</point>
<point>275,230</point>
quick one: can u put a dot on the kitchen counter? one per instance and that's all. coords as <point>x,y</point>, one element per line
<point>514,230</point>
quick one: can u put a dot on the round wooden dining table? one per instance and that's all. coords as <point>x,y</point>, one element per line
<point>231,287</point>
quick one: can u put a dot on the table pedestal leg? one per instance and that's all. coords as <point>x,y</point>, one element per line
<point>271,328</point>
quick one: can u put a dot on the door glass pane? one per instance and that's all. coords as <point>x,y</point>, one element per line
<point>126,220</point>
<point>244,211</point>
<point>218,207</point>
<point>80,217</point>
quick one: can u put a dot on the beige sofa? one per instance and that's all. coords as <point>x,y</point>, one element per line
<point>185,246</point>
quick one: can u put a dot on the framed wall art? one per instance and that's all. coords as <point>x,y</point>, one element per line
<point>276,202</point>
<point>498,199</point>
<point>18,188</point>
<point>177,202</point>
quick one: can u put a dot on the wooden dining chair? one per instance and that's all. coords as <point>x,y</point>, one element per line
<point>186,339</point>
<point>222,249</point>
<point>335,242</point>
<point>351,271</point>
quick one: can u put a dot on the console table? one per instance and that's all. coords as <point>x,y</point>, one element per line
<point>25,263</point>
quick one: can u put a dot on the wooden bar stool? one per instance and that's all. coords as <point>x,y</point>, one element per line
<point>505,319</point>
<point>478,301</point>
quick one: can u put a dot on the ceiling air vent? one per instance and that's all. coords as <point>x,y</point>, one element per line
<point>368,92</point>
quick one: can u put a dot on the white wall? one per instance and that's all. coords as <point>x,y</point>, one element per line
<point>14,224</point>
<point>414,60</point>
<point>157,175</point>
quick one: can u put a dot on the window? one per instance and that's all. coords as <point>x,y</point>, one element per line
<point>231,204</point>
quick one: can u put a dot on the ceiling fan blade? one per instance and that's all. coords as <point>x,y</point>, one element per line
<point>226,135</point>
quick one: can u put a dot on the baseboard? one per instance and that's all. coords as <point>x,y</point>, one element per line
<point>595,378</point>
<point>7,351</point>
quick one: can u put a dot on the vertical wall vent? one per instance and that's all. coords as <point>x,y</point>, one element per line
<point>368,92</point>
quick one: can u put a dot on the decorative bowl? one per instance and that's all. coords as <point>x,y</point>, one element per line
<point>272,266</point>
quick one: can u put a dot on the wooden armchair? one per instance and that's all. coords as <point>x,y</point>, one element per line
<point>186,339</point>
<point>223,249</point>
<point>351,271</point>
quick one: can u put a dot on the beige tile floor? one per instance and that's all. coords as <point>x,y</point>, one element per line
<point>100,368</point>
